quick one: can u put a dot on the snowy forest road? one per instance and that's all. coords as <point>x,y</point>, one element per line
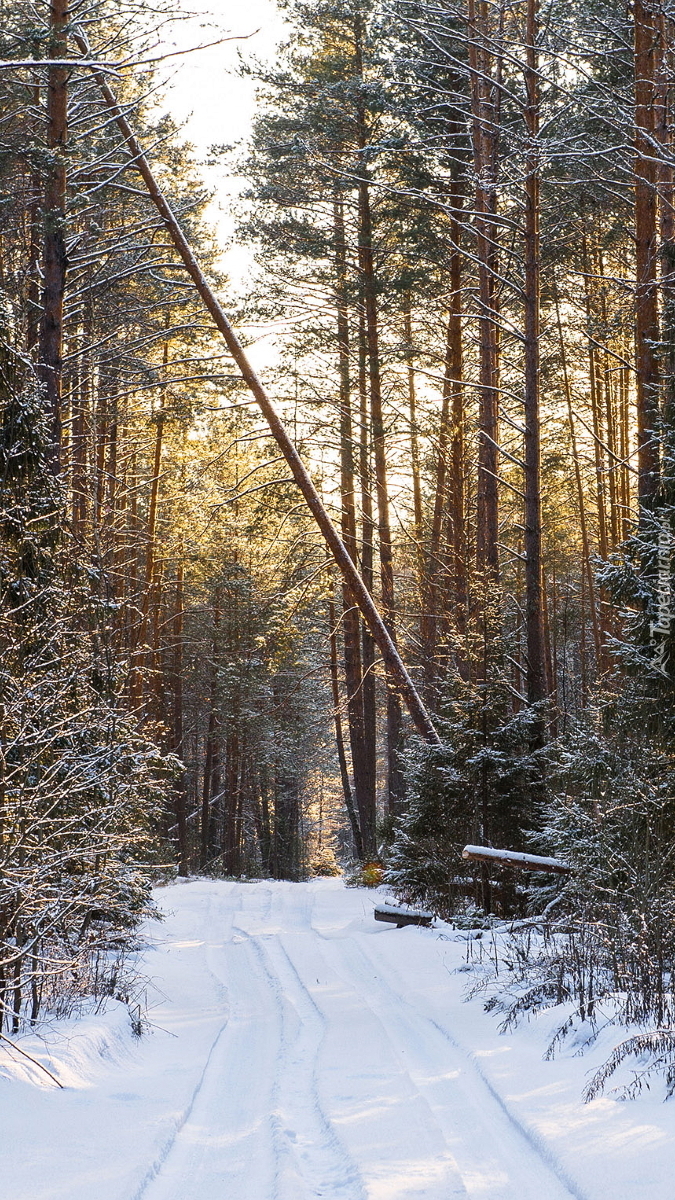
<point>298,1049</point>
<point>326,1080</point>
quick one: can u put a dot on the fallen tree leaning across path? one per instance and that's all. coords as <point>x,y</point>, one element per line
<point>392,660</point>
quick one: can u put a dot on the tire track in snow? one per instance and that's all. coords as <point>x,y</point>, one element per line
<point>326,1081</point>
<point>154,1171</point>
<point>221,1146</point>
<point>254,1129</point>
<point>367,1090</point>
<point>314,1162</point>
<point>468,1102</point>
<point>197,921</point>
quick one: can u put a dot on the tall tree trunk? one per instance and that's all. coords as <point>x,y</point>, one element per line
<point>265,835</point>
<point>666,185</point>
<point>150,591</point>
<point>339,740</point>
<point>231,807</point>
<point>587,569</point>
<point>79,417</point>
<point>395,781</point>
<point>101,445</point>
<point>447,581</point>
<point>54,248</point>
<point>177,722</point>
<point>595,405</point>
<point>414,439</point>
<point>209,789</point>
<point>365,794</point>
<point>646,251</point>
<point>624,421</point>
<point>368,688</point>
<point>610,423</point>
<point>485,74</point>
<point>35,237</point>
<point>536,664</point>
<point>209,749</point>
<point>455,361</point>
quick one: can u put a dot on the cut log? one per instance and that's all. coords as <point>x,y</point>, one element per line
<point>402,916</point>
<point>513,858</point>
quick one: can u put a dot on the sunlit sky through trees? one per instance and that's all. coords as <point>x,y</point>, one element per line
<point>211,101</point>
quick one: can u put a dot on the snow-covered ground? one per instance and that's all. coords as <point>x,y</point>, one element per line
<point>300,1049</point>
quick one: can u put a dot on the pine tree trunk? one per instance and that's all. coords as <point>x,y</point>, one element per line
<point>231,806</point>
<point>150,578</point>
<point>365,795</point>
<point>368,688</point>
<point>431,601</point>
<point>177,723</point>
<point>209,788</point>
<point>205,822</point>
<point>414,440</point>
<point>395,782</point>
<point>456,364</point>
<point>485,131</point>
<point>595,406</point>
<point>339,740</point>
<point>79,464</point>
<point>609,413</point>
<point>587,569</point>
<point>447,583</point>
<point>536,665</point>
<point>646,251</point>
<point>54,248</point>
<point>35,237</point>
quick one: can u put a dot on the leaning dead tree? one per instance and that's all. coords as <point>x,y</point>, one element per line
<point>396,670</point>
